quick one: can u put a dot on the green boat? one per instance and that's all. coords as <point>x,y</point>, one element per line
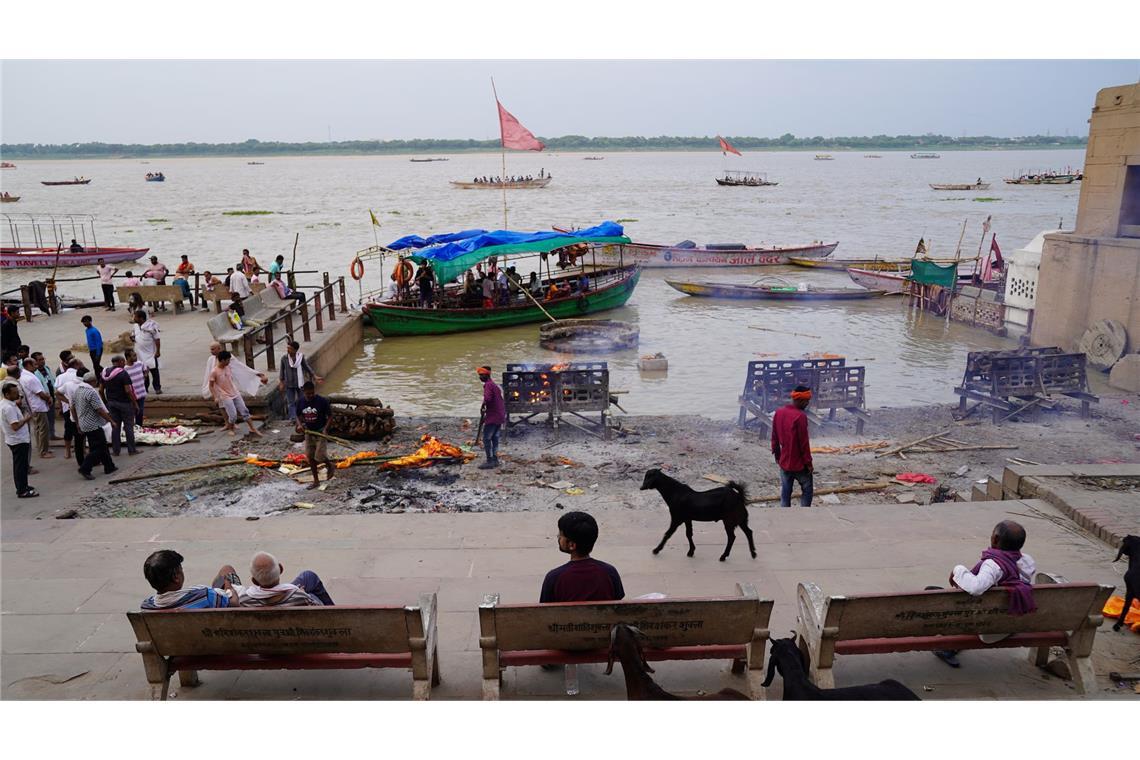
<point>608,289</point>
<point>581,287</point>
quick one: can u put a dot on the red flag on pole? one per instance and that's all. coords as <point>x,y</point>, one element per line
<point>998,262</point>
<point>516,136</point>
<point>725,148</point>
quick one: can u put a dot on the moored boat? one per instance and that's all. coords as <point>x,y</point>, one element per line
<point>26,258</point>
<point>824,157</point>
<point>5,198</point>
<point>891,282</point>
<point>653,256</point>
<point>76,181</point>
<point>7,165</point>
<point>426,160</point>
<point>843,265</point>
<point>774,292</point>
<point>925,155</point>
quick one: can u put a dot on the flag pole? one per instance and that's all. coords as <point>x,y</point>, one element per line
<point>503,148</point>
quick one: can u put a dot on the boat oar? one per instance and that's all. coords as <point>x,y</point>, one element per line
<point>536,303</point>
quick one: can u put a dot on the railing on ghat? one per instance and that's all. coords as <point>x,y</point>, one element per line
<point>326,302</point>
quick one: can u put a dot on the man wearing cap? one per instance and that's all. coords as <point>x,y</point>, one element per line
<point>494,413</point>
<point>791,447</point>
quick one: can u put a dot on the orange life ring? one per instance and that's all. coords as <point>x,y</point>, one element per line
<point>357,269</point>
<point>403,272</point>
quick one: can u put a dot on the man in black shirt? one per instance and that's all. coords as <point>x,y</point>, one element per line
<point>582,579</point>
<point>119,396</point>
<point>314,413</point>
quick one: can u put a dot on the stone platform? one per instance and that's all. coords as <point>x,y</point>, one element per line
<point>67,583</point>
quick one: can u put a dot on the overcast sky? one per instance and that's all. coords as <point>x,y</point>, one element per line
<point>298,101</point>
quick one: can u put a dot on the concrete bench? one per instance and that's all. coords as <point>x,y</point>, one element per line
<point>224,332</point>
<point>266,305</point>
<point>730,628</point>
<point>288,638</point>
<point>1067,615</point>
<point>153,294</point>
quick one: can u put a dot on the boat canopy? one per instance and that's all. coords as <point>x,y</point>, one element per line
<point>465,249</point>
<point>415,241</point>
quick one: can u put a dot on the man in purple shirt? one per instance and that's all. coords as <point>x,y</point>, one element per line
<point>494,414</point>
<point>582,579</point>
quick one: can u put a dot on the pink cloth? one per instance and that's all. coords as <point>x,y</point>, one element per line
<point>515,135</point>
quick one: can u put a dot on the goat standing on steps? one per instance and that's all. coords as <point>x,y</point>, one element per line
<point>727,504</point>
<point>787,658</point>
<point>638,684</point>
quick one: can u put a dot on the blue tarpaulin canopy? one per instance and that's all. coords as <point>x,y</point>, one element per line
<point>456,252</point>
<point>415,241</point>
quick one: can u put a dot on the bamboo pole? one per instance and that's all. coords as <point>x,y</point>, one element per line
<point>193,468</point>
<point>880,485</point>
<point>503,150</point>
<point>332,438</point>
<point>536,303</point>
<point>904,446</point>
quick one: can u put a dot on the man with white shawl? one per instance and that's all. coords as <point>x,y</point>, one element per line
<point>295,371</point>
<point>247,380</point>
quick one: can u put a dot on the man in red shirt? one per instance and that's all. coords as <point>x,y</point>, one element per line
<point>494,414</point>
<point>792,449</point>
<point>583,578</point>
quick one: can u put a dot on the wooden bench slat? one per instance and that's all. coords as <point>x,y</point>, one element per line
<point>326,661</point>
<point>560,657</point>
<point>962,641</point>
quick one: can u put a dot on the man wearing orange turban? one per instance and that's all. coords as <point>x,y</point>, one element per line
<point>792,449</point>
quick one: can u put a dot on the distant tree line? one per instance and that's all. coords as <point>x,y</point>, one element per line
<point>565,143</point>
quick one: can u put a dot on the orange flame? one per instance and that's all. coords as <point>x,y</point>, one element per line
<point>559,367</point>
<point>426,454</point>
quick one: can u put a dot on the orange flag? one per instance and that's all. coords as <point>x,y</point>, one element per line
<point>725,148</point>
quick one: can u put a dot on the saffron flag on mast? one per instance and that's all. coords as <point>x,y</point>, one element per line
<point>726,148</point>
<point>515,135</point>
<point>993,260</point>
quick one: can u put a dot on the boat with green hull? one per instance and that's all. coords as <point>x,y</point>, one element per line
<point>608,289</point>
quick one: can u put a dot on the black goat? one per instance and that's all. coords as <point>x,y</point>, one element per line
<point>787,658</point>
<point>1130,546</point>
<point>638,684</point>
<point>727,504</point>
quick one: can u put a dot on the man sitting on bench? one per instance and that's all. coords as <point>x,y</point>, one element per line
<point>163,571</point>
<point>583,578</point>
<point>1004,565</point>
<point>267,590</point>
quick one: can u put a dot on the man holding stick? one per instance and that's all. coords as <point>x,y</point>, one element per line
<point>314,413</point>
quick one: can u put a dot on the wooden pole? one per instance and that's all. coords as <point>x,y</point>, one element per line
<point>293,263</point>
<point>332,438</point>
<point>164,473</point>
<point>954,284</point>
<point>503,148</point>
<point>536,303</point>
<point>824,491</point>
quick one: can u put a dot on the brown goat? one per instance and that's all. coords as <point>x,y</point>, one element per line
<point>638,684</point>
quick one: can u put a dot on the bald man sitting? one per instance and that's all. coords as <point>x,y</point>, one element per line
<point>267,590</point>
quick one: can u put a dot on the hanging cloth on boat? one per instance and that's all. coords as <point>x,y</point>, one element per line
<point>929,273</point>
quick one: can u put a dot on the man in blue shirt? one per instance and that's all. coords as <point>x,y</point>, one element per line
<point>163,571</point>
<point>94,343</point>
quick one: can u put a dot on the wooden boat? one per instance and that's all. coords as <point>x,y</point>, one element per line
<point>526,184</point>
<point>1050,177</point>
<point>66,182</point>
<point>27,258</point>
<point>744,179</point>
<point>653,256</point>
<point>610,289</point>
<point>925,155</point>
<point>824,157</point>
<point>974,186</point>
<point>7,165</point>
<point>159,177</point>
<point>843,265</point>
<point>594,158</point>
<point>9,198</point>
<point>426,160</point>
<point>893,282</point>
<point>787,292</point>
<point>255,163</point>
<point>871,155</point>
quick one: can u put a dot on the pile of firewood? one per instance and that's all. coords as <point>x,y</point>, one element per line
<point>360,419</point>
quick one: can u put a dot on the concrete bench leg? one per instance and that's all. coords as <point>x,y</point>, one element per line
<point>1039,656</point>
<point>188,678</point>
<point>1084,677</point>
<point>491,688</point>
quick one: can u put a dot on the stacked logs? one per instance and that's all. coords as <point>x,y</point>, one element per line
<point>360,419</point>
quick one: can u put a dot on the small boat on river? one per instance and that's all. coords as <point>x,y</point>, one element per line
<point>155,177</point>
<point>925,155</point>
<point>5,198</point>
<point>824,157</point>
<point>27,244</point>
<point>426,160</point>
<point>893,282</point>
<point>744,179</point>
<point>29,258</point>
<point>76,181</point>
<point>7,165</point>
<point>778,291</point>
<point>498,183</point>
<point>979,185</point>
<point>842,265</point>
<point>688,254</point>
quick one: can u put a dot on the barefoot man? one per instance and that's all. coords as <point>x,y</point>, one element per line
<point>314,413</point>
<point>226,394</point>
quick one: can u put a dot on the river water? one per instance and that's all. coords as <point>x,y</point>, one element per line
<point>873,207</point>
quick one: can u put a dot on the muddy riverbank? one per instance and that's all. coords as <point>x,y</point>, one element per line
<point>591,472</point>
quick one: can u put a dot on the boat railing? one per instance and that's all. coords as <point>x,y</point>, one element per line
<point>33,224</point>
